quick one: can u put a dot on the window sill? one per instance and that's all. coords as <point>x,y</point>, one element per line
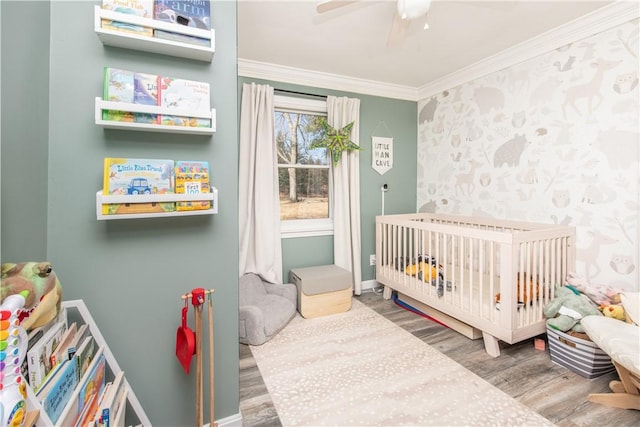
<point>306,228</point>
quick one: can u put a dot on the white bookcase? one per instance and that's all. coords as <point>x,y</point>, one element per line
<point>151,44</point>
<point>156,198</point>
<point>78,308</point>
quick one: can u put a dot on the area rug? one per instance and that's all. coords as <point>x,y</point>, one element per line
<point>359,369</point>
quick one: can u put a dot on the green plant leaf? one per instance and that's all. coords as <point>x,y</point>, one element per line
<point>336,140</point>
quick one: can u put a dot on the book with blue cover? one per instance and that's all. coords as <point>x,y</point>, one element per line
<point>134,88</point>
<point>55,395</point>
<point>123,176</point>
<point>189,13</point>
<point>142,8</point>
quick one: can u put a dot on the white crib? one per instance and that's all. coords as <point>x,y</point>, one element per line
<point>460,266</point>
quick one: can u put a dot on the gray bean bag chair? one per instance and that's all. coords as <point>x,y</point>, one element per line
<point>265,308</point>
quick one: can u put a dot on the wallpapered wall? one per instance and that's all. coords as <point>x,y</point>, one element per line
<point>554,139</point>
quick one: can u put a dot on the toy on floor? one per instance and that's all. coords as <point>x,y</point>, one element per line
<point>43,302</point>
<point>565,311</point>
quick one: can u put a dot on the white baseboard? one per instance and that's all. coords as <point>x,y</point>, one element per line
<point>369,285</point>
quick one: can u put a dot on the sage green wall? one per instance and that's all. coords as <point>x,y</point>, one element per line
<point>130,273</point>
<point>378,117</point>
<point>24,123</point>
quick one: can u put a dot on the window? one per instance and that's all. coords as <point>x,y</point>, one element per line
<point>303,173</point>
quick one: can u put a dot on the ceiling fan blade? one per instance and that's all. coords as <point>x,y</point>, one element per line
<point>330,5</point>
<point>398,31</point>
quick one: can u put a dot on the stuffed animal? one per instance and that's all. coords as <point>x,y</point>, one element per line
<point>615,311</point>
<point>599,294</point>
<point>45,292</point>
<point>567,308</point>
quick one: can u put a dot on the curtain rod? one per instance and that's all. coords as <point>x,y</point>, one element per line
<point>293,92</point>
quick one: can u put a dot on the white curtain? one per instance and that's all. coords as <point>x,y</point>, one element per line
<point>346,191</point>
<point>258,204</point>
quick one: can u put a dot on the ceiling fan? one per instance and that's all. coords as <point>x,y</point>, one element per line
<point>406,12</point>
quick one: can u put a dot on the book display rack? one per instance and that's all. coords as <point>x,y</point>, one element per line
<point>102,368</point>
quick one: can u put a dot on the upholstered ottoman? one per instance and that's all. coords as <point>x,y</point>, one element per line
<point>322,290</point>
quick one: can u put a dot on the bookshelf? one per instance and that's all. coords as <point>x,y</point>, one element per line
<point>151,44</point>
<point>156,198</point>
<point>77,308</point>
<point>102,105</point>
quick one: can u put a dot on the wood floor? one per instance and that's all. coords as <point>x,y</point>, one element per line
<point>521,371</point>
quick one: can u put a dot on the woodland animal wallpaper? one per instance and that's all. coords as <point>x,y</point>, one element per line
<point>554,139</point>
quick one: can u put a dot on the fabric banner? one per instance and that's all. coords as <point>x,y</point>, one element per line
<point>381,154</point>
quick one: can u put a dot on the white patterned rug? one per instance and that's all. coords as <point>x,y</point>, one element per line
<point>360,369</point>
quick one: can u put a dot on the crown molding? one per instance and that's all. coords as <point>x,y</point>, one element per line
<point>299,76</point>
<point>599,20</point>
<point>617,13</point>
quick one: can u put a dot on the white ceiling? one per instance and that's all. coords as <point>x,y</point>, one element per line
<point>351,41</point>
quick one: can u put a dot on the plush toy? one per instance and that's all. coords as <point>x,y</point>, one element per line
<point>599,294</point>
<point>45,292</point>
<point>615,311</point>
<point>567,308</point>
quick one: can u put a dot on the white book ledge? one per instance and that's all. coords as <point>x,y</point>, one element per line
<point>156,198</point>
<point>102,105</point>
<point>151,44</point>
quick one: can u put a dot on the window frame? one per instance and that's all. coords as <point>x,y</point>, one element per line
<point>295,228</point>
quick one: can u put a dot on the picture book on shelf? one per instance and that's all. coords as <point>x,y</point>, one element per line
<point>84,354</point>
<point>188,13</point>
<point>181,94</point>
<point>109,403</point>
<point>39,357</point>
<point>137,177</point>
<point>90,386</point>
<point>60,353</point>
<point>192,177</point>
<point>142,8</point>
<point>55,395</point>
<point>78,338</point>
<point>33,337</point>
<point>131,87</point>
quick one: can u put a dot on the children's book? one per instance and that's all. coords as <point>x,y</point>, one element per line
<point>132,87</point>
<point>137,177</point>
<point>84,355</point>
<point>55,395</point>
<point>142,8</point>
<point>190,13</point>
<point>33,337</point>
<point>145,91</point>
<point>39,357</point>
<point>184,95</point>
<point>192,177</point>
<point>90,386</point>
<point>118,87</point>
<point>109,404</point>
<point>79,337</point>
<point>60,353</point>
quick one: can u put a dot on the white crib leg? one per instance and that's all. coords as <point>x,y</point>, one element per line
<point>386,293</point>
<point>491,345</point>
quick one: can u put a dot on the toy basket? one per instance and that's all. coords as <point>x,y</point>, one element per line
<point>580,356</point>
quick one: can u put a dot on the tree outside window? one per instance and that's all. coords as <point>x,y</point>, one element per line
<point>303,173</point>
